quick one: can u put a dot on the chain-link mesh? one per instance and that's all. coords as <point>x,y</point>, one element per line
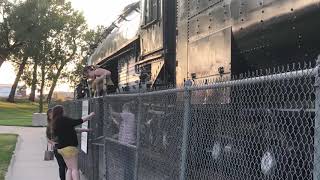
<point>263,127</point>
<point>120,160</point>
<point>160,141</point>
<point>121,135</point>
<point>253,129</point>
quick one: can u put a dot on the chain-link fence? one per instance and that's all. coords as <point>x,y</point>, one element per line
<point>263,125</point>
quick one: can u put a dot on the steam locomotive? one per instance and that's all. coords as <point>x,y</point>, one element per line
<point>160,43</point>
<point>165,42</point>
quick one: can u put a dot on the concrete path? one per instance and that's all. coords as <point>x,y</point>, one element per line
<point>27,162</point>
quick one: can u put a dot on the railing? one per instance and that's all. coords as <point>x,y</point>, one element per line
<point>264,127</point>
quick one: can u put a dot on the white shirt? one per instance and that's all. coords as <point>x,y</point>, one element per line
<point>127,130</point>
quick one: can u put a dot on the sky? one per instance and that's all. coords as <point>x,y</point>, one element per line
<point>96,12</point>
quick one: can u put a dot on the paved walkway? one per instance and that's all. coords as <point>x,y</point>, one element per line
<point>28,163</point>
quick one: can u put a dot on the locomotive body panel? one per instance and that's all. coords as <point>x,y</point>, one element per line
<point>124,31</point>
<point>157,39</point>
<point>129,77</point>
<point>151,36</point>
<point>213,51</point>
<point>265,33</point>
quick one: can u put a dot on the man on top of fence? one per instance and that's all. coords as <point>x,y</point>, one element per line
<point>100,80</point>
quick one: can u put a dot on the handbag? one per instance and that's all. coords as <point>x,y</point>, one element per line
<point>48,154</point>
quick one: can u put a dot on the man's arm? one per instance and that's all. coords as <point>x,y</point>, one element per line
<point>51,142</point>
<point>88,117</point>
<point>115,120</point>
<point>115,116</point>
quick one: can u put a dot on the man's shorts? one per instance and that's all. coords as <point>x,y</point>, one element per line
<point>68,152</point>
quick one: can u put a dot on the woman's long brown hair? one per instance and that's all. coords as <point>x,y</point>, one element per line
<point>49,125</point>
<point>49,120</point>
<point>57,113</point>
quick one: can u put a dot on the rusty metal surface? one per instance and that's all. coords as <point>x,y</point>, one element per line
<point>157,39</point>
<point>129,77</point>
<point>151,35</point>
<point>215,51</point>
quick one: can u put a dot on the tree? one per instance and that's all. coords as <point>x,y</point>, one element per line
<point>17,79</point>
<point>67,43</point>
<point>7,44</point>
<point>31,22</point>
<point>55,36</point>
<point>45,64</point>
<point>34,81</point>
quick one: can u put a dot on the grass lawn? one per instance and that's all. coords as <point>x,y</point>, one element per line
<point>7,146</point>
<point>17,114</point>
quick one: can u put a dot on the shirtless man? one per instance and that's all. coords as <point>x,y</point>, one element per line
<point>100,80</point>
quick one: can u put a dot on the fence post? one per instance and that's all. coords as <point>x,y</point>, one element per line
<point>186,124</point>
<point>138,137</point>
<point>316,165</point>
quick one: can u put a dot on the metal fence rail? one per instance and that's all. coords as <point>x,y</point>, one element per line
<point>263,127</point>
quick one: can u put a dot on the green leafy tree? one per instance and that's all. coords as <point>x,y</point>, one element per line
<point>31,22</point>
<point>8,44</point>
<point>67,44</point>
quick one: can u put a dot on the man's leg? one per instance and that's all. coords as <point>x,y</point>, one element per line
<point>99,87</point>
<point>95,87</point>
<point>62,165</point>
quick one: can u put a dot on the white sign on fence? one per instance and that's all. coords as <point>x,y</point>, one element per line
<point>84,135</point>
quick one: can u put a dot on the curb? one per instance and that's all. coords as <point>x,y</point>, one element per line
<point>13,159</point>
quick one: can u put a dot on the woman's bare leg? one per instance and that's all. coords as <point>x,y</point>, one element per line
<point>68,175</point>
<point>72,164</point>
